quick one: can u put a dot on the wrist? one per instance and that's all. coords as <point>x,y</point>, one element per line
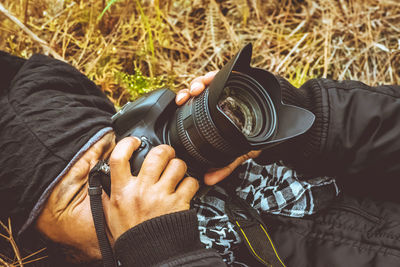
<point>159,239</point>
<point>297,151</point>
<point>309,96</point>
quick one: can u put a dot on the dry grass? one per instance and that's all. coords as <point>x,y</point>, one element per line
<point>137,45</point>
<point>173,41</point>
<point>17,260</point>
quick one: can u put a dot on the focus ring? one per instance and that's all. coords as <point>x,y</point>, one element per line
<point>187,143</point>
<point>206,127</point>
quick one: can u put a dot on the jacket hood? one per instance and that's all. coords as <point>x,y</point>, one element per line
<point>50,114</point>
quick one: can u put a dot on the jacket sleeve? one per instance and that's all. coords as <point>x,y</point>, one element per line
<point>355,137</point>
<point>168,240</point>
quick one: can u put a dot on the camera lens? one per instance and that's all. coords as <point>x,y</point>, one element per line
<point>245,102</point>
<point>212,136</point>
<point>235,103</point>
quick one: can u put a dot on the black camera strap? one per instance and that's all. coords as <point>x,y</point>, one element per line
<point>252,230</point>
<point>95,191</point>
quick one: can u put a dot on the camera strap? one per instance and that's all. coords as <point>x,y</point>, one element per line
<point>252,230</point>
<point>95,191</point>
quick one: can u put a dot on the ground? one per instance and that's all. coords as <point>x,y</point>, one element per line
<point>128,47</point>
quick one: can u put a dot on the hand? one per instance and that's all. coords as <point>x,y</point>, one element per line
<point>196,87</point>
<point>154,192</point>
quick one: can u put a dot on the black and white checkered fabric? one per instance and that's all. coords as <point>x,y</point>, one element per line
<point>270,189</point>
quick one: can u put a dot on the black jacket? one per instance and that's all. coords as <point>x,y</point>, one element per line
<point>356,139</point>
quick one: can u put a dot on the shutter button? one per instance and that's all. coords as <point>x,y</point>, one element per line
<point>144,142</point>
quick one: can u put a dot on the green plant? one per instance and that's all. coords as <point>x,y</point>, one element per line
<point>138,84</point>
<point>109,4</point>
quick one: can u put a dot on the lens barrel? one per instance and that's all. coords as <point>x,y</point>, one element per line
<point>203,141</point>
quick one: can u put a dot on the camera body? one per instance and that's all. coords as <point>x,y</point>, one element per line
<point>241,110</point>
<point>146,119</point>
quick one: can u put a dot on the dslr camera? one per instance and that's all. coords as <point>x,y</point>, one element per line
<point>241,110</point>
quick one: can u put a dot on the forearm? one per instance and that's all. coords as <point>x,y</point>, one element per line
<point>171,240</point>
<point>356,131</point>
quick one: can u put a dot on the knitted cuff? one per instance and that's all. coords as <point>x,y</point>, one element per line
<point>159,239</point>
<point>309,96</point>
<point>297,151</point>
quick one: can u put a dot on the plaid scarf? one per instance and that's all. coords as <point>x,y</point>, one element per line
<point>273,189</point>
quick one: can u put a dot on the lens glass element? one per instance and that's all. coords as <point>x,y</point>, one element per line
<point>242,109</point>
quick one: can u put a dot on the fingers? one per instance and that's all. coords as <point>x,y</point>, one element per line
<point>216,176</point>
<point>155,162</point>
<point>172,175</point>
<point>119,161</point>
<point>198,84</point>
<point>254,154</point>
<point>196,87</point>
<point>209,77</point>
<point>182,96</point>
<point>188,188</point>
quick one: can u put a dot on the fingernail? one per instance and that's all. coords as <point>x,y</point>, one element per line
<point>179,97</point>
<point>196,86</point>
<point>211,73</point>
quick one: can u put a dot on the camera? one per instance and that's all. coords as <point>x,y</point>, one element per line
<point>241,110</point>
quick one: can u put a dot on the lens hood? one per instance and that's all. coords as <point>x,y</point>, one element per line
<point>290,120</point>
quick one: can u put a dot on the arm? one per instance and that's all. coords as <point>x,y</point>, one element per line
<point>356,135</point>
<point>172,240</point>
<point>149,214</point>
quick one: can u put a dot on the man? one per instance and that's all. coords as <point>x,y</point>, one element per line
<point>55,127</point>
<point>357,152</point>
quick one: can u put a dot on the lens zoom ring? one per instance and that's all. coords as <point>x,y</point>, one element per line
<point>206,128</point>
<point>186,142</point>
